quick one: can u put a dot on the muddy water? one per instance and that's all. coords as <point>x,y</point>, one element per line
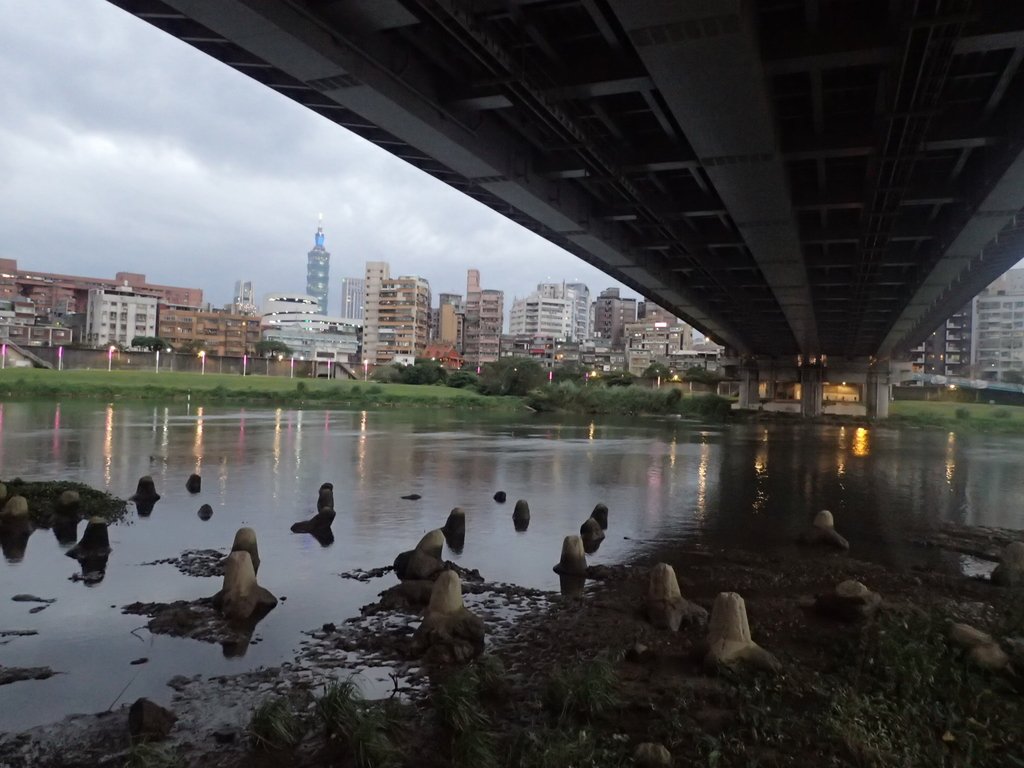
<point>663,481</point>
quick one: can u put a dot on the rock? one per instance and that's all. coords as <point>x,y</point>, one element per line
<point>650,755</point>
<point>14,512</point>
<point>3,493</point>
<point>32,599</point>
<point>432,543</point>
<point>592,535</point>
<point>138,661</point>
<point>666,608</point>
<point>14,536</point>
<point>990,657</point>
<point>241,597</point>
<point>500,497</point>
<point>638,653</point>
<point>412,497</point>
<point>245,541</point>
<point>823,533</point>
<point>95,541</point>
<point>851,601</point>
<point>449,632</point>
<point>320,522</point>
<point>149,722</point>
<point>145,496</point>
<point>10,675</point>
<point>408,596</point>
<point>600,514</point>
<point>968,637</point>
<point>194,484</point>
<point>456,523</point>
<point>205,512</point>
<point>729,641</point>
<point>1010,571</point>
<point>416,565</point>
<point>521,515</point>
<point>68,503</point>
<point>574,560</point>
<point>571,585</point>
<point>325,497</point>
<point>225,735</point>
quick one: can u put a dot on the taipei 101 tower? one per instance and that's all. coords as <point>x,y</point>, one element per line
<point>318,267</point>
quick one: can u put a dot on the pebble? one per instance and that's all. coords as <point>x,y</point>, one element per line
<point>140,660</point>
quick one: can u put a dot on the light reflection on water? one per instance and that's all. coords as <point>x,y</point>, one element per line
<point>747,485</point>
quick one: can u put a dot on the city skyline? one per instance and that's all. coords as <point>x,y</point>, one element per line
<point>143,154</point>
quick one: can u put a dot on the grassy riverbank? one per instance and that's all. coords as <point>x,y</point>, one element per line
<point>27,384</point>
<point>975,417</point>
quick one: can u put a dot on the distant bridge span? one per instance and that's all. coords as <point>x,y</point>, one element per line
<point>791,176</point>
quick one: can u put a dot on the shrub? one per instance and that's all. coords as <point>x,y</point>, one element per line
<point>463,379</point>
<point>586,690</point>
<point>962,414</point>
<point>361,727</point>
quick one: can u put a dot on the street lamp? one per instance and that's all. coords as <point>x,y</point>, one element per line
<point>366,368</point>
<point>245,361</point>
<point>3,356</point>
<point>202,361</point>
<point>60,358</point>
<point>110,358</point>
<point>157,367</point>
<point>291,368</point>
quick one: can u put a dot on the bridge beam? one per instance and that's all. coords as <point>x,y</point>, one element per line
<point>726,116</point>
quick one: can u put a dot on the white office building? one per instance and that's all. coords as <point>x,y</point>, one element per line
<point>117,316</point>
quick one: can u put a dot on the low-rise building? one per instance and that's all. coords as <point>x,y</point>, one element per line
<point>219,332</point>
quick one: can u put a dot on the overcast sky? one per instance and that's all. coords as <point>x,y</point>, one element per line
<point>123,149</point>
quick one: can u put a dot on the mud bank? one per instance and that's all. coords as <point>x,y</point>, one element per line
<point>587,680</point>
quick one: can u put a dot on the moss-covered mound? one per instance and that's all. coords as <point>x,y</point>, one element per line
<point>42,499</point>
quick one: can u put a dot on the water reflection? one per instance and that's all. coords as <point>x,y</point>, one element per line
<point>861,442</point>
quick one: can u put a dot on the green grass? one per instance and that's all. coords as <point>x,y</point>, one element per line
<point>33,383</point>
<point>587,690</point>
<point>150,756</point>
<point>360,727</point>
<point>977,417</point>
<point>274,725</point>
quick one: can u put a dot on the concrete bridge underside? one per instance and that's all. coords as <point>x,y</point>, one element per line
<point>794,177</point>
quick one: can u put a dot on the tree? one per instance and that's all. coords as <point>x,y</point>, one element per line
<point>618,379</point>
<point>511,376</point>
<point>423,372</point>
<point>656,371</point>
<point>152,343</point>
<point>272,348</point>
<point>571,371</point>
<point>462,379</point>
<point>193,346</point>
<point>701,375</point>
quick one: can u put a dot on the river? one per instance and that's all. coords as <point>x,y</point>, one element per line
<point>664,481</point>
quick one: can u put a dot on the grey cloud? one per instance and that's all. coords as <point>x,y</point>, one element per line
<point>124,149</point>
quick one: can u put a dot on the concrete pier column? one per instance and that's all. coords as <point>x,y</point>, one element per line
<point>811,392</point>
<point>877,390</point>
<point>749,398</point>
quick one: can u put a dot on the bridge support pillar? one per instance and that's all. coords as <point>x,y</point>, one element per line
<point>811,390</point>
<point>749,399</point>
<point>877,392</point>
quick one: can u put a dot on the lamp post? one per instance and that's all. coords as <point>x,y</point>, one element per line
<point>366,368</point>
<point>291,368</point>
<point>202,362</point>
<point>245,362</point>
<point>110,358</point>
<point>60,358</point>
<point>3,356</point>
<point>157,366</point>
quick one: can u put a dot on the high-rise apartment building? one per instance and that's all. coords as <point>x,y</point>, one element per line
<point>541,315</point>
<point>403,319</point>
<point>581,310</point>
<point>483,323</point>
<point>376,273</point>
<point>611,314</point>
<point>318,269</point>
<point>997,328</point>
<point>117,316</point>
<point>449,314</point>
<point>352,297</point>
